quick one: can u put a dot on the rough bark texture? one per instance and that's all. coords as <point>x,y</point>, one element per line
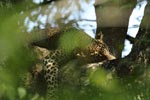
<point>112,20</point>
<point>140,51</point>
<point>139,57</point>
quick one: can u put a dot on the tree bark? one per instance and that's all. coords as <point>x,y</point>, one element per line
<point>112,20</point>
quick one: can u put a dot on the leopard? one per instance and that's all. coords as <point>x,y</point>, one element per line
<point>70,44</point>
<point>51,65</point>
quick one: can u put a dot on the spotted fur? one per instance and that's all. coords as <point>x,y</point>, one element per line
<point>56,58</point>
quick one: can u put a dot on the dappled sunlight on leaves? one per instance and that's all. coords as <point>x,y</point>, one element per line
<point>17,56</point>
<point>104,80</point>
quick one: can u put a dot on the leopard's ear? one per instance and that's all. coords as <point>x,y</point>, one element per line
<point>100,34</point>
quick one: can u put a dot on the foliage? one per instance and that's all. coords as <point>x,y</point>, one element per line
<point>16,58</point>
